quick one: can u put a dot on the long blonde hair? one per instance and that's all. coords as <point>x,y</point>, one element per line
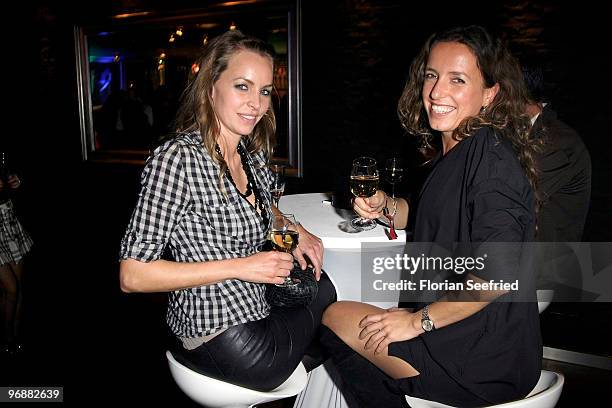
<point>196,109</point>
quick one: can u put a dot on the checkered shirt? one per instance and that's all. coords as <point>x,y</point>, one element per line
<point>15,242</point>
<point>181,209</point>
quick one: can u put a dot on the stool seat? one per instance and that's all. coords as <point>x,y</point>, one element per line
<point>214,393</point>
<point>545,394</point>
<point>545,296</point>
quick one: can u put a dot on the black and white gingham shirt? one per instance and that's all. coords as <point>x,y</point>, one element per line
<point>181,208</point>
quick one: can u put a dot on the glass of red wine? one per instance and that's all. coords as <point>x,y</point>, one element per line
<point>394,172</point>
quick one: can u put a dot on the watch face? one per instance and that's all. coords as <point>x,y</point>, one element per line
<point>427,325</point>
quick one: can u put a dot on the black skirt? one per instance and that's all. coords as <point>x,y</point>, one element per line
<point>261,354</point>
<point>482,365</point>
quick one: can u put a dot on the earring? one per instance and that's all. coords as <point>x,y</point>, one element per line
<point>483,109</point>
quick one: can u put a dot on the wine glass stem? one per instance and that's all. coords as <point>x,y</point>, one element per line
<point>392,190</point>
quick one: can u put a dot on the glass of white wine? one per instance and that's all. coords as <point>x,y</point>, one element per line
<point>364,182</point>
<point>284,237</point>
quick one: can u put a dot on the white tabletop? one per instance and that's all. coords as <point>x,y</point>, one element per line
<point>315,212</point>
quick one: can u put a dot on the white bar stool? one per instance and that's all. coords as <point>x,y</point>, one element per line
<point>213,393</point>
<point>545,296</point>
<point>545,394</point>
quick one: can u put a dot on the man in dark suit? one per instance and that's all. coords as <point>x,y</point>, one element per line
<point>564,187</point>
<point>565,166</point>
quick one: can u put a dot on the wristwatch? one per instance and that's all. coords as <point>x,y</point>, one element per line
<point>426,323</point>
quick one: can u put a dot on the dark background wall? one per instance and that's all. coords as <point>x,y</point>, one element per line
<point>355,59</point>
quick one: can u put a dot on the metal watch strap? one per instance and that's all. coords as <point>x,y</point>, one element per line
<point>426,320</point>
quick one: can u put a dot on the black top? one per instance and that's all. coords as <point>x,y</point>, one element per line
<point>565,180</point>
<point>478,193</point>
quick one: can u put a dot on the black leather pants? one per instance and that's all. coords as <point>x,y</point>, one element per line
<point>261,354</point>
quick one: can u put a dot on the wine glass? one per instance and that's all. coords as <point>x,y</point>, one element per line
<point>394,172</point>
<point>4,170</point>
<point>364,182</point>
<point>284,237</point>
<point>4,176</point>
<point>277,187</point>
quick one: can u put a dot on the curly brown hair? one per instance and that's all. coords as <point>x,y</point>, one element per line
<point>505,113</point>
<point>196,109</point>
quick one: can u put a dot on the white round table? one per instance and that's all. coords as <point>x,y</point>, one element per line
<point>317,215</point>
<point>341,259</point>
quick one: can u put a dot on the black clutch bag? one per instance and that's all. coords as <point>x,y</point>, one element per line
<point>301,294</point>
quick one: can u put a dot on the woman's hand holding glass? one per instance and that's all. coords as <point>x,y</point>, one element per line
<point>267,267</point>
<point>370,207</point>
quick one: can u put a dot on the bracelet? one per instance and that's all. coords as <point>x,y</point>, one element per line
<point>391,214</point>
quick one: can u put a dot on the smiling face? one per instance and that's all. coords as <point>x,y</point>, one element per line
<point>453,88</point>
<point>241,96</point>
